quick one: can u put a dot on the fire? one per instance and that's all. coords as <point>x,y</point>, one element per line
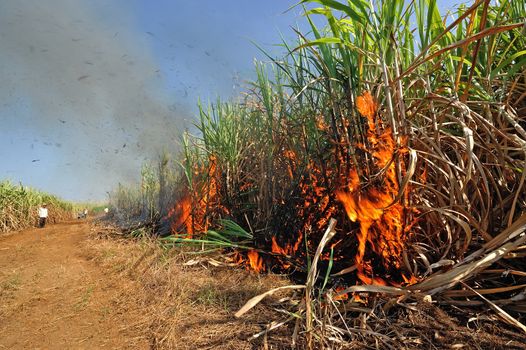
<point>182,212</point>
<point>362,189</point>
<point>367,107</point>
<point>288,249</point>
<point>251,260</point>
<point>381,223</point>
<point>291,162</point>
<point>255,261</point>
<point>338,296</point>
<point>277,249</point>
<point>321,124</point>
<point>192,211</point>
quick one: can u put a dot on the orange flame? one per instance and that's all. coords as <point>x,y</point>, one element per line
<point>291,164</point>
<point>182,214</point>
<point>340,296</point>
<point>277,249</point>
<point>255,261</point>
<point>381,222</point>
<point>367,107</point>
<point>289,249</point>
<point>193,209</point>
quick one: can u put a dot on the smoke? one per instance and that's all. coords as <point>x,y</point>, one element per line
<point>78,78</point>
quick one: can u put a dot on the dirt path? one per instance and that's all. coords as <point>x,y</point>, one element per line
<point>52,297</point>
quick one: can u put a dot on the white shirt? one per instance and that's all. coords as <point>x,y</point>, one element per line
<point>42,212</point>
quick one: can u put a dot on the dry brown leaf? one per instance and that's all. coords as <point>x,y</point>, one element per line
<point>503,314</point>
<point>255,300</point>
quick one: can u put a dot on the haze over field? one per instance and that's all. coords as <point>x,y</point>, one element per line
<point>90,90</point>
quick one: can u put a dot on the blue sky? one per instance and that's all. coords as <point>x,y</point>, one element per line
<point>91,89</point>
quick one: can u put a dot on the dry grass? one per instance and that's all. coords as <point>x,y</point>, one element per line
<point>188,307</point>
<point>181,301</point>
<point>383,323</point>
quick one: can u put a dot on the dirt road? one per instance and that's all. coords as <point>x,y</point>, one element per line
<point>53,297</point>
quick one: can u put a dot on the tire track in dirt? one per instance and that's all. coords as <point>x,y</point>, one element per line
<point>52,297</point>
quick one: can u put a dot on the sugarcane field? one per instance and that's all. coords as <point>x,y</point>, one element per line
<point>308,174</point>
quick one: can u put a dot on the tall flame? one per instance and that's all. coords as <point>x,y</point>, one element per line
<point>381,221</point>
<point>191,211</point>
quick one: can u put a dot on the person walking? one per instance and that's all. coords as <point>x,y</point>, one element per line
<point>42,215</point>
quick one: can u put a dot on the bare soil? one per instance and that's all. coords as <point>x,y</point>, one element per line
<point>53,297</point>
<point>68,286</point>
